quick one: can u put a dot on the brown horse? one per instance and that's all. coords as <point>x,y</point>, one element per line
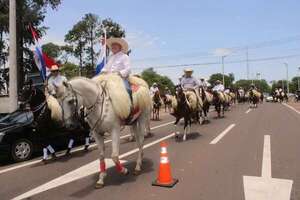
<point>156,99</point>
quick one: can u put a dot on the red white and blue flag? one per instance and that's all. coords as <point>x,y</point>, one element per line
<point>42,60</point>
<point>102,58</point>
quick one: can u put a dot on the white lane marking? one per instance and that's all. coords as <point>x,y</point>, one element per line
<point>266,187</point>
<point>266,163</point>
<point>60,154</point>
<point>221,135</point>
<point>292,108</point>
<point>249,110</point>
<point>86,170</point>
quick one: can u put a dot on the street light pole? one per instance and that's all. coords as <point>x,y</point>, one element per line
<point>298,79</point>
<point>287,77</point>
<point>223,70</point>
<point>247,62</point>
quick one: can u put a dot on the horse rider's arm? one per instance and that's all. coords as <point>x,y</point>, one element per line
<point>126,66</point>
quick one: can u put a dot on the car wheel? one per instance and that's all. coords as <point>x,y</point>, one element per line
<point>21,150</point>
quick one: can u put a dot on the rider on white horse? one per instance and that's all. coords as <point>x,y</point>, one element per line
<point>119,61</point>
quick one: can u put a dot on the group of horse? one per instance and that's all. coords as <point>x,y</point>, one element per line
<point>280,96</point>
<point>108,107</point>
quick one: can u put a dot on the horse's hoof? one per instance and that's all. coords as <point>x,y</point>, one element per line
<point>99,185</point>
<point>130,139</point>
<point>125,172</point>
<point>136,172</point>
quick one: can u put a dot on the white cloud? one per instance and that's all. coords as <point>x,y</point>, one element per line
<point>59,40</point>
<point>222,51</point>
<point>141,40</point>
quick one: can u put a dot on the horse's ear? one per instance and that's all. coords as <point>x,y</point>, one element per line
<point>66,84</point>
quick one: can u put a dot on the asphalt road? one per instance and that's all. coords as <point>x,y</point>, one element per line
<point>210,165</point>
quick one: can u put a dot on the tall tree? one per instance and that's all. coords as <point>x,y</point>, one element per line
<point>76,38</point>
<point>150,76</point>
<point>52,50</point>
<point>228,79</point>
<point>86,33</point>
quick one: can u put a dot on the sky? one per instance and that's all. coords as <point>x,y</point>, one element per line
<point>164,33</point>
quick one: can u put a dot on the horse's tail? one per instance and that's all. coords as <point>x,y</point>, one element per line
<point>142,98</point>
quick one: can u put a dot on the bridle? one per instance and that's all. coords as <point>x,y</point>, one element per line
<point>90,109</point>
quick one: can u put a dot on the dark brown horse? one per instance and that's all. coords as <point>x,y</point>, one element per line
<point>182,109</point>
<point>156,105</point>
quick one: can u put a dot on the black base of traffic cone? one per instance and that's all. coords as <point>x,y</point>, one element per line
<point>169,185</point>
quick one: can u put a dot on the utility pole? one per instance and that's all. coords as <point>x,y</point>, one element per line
<point>223,70</point>
<point>298,79</point>
<point>247,62</point>
<point>10,103</point>
<point>287,78</point>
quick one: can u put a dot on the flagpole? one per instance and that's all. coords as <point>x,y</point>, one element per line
<point>105,58</point>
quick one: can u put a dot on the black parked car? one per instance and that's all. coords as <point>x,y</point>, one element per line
<point>21,136</point>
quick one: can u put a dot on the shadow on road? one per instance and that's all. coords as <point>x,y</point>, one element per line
<point>113,179</point>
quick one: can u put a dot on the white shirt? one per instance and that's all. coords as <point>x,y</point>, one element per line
<point>227,91</point>
<point>219,88</point>
<point>118,62</point>
<point>203,83</point>
<point>55,81</point>
<point>241,92</point>
<point>153,90</point>
<point>189,83</point>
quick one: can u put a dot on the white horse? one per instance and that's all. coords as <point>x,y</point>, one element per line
<point>108,105</point>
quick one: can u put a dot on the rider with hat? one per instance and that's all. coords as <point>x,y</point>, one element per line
<point>189,83</point>
<point>203,83</point>
<point>119,61</point>
<point>219,87</point>
<point>153,89</point>
<point>55,80</point>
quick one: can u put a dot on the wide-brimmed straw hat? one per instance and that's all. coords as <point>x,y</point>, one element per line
<point>54,68</point>
<point>120,41</point>
<point>188,70</point>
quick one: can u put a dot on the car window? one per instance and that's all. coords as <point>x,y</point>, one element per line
<point>18,118</point>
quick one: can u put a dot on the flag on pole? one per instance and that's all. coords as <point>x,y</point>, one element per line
<point>102,58</point>
<point>42,60</point>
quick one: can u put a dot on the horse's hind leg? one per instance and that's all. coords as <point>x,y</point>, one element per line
<point>139,131</point>
<point>100,141</point>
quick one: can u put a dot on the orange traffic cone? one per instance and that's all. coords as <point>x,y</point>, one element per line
<point>164,178</point>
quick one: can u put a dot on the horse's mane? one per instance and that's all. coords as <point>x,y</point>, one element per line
<point>55,108</point>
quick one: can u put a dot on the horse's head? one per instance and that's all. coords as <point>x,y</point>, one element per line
<point>26,92</point>
<point>70,105</point>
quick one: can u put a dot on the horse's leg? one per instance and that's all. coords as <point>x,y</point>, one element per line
<point>100,141</point>
<point>139,130</point>
<point>185,128</point>
<point>131,137</point>
<point>115,136</point>
<point>175,128</point>
<point>148,131</point>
